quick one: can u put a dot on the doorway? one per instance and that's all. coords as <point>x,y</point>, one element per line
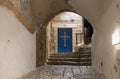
<point>64,40</point>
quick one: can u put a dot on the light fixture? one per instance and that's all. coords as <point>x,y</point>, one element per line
<point>116,37</point>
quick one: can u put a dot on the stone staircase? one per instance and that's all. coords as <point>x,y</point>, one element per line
<point>80,58</point>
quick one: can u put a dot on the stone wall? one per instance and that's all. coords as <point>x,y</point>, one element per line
<point>44,10</point>
<point>24,7</point>
<point>41,47</point>
<point>52,42</point>
<point>22,11</point>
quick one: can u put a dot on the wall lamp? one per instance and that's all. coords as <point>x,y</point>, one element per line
<point>116,37</point>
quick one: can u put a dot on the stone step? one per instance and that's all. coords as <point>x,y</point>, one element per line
<point>75,53</point>
<point>80,58</point>
<point>69,63</point>
<point>87,48</point>
<point>71,56</point>
<point>62,53</point>
<point>83,52</point>
<point>84,49</point>
<point>70,59</point>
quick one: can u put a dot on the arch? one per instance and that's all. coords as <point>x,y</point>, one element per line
<point>57,13</point>
<point>85,24</point>
<point>41,61</point>
<point>51,16</point>
<point>70,15</point>
<point>67,10</point>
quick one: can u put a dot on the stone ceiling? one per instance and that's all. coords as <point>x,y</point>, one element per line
<point>44,10</point>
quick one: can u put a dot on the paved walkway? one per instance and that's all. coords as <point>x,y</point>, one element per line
<point>64,72</point>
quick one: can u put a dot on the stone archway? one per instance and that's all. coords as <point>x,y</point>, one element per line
<point>41,39</point>
<point>61,24</point>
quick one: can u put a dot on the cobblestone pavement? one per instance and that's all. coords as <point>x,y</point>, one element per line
<point>64,72</point>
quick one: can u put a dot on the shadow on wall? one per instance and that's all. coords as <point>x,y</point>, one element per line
<point>118,62</point>
<point>88,31</point>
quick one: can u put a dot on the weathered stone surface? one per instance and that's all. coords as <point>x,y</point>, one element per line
<point>41,47</point>
<point>24,16</point>
<point>64,72</point>
<point>44,10</point>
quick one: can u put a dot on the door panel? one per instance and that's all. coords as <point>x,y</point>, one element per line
<point>64,40</point>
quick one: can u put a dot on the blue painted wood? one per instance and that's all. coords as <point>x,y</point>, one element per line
<point>64,40</point>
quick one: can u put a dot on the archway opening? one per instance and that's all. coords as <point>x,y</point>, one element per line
<point>66,33</point>
<point>81,31</point>
<point>65,29</point>
<point>88,32</point>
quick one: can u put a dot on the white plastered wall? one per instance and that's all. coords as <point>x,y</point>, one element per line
<point>105,55</point>
<point>17,47</point>
<point>103,15</point>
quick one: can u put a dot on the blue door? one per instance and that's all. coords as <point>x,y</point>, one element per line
<point>64,40</point>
